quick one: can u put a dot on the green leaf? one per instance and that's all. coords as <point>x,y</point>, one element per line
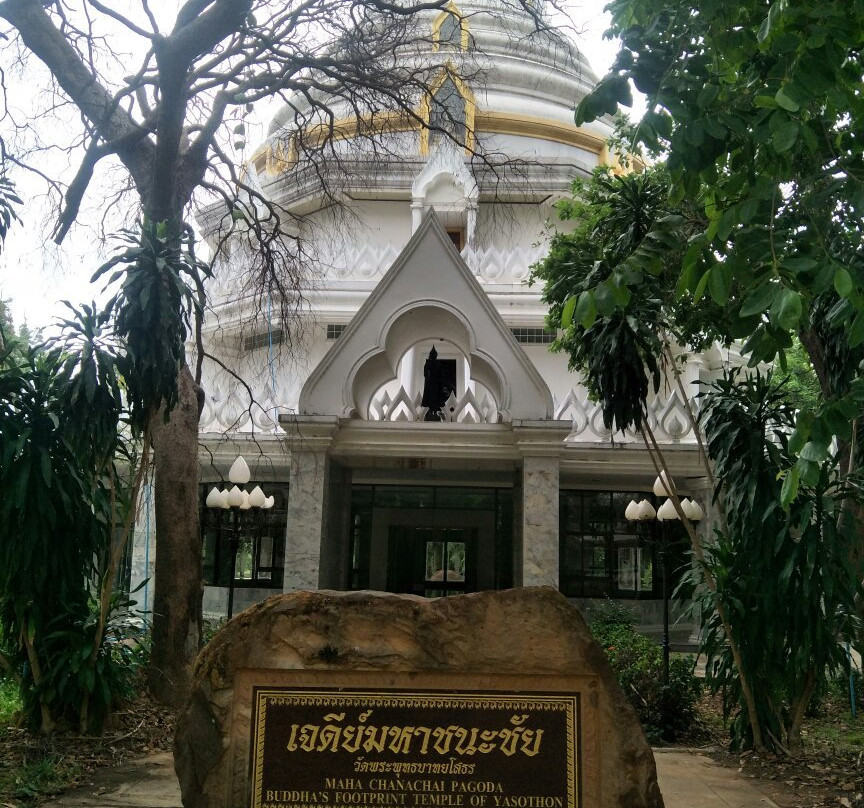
<point>843,282</point>
<point>719,283</point>
<point>569,308</point>
<point>800,263</point>
<point>768,22</point>
<point>817,452</point>
<point>785,136</point>
<point>789,490</point>
<point>786,101</point>
<point>856,330</point>
<point>700,287</point>
<point>586,311</point>
<point>786,310</point>
<point>758,300</point>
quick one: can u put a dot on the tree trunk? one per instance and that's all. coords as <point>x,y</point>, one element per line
<point>178,585</point>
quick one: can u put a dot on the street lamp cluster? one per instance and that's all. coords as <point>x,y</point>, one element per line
<point>643,511</point>
<point>236,497</point>
<point>235,500</point>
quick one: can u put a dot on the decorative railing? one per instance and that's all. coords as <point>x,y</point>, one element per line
<point>231,410</point>
<point>466,409</point>
<point>370,261</point>
<point>228,410</point>
<point>668,419</point>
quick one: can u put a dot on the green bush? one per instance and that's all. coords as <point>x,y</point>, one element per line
<point>638,663</point>
<point>10,704</point>
<point>75,683</point>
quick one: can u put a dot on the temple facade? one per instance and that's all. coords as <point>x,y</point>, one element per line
<point>413,428</point>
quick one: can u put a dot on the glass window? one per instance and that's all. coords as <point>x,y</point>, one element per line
<point>479,499</point>
<point>448,111</point>
<point>450,32</point>
<point>602,554</point>
<point>395,496</point>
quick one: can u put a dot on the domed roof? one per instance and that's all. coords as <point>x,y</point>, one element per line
<point>517,78</point>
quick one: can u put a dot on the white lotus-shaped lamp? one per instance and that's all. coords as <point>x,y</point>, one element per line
<point>694,511</point>
<point>256,497</point>
<point>239,473</point>
<point>646,511</point>
<point>667,512</point>
<point>662,486</point>
<point>631,512</point>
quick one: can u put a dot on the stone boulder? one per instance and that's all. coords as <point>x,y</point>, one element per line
<point>528,633</point>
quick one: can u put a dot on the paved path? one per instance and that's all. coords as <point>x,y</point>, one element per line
<point>687,780</point>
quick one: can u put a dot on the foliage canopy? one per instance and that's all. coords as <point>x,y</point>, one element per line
<point>758,109</point>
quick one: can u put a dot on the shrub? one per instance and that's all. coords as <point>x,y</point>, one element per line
<point>78,686</point>
<point>638,664</point>
<point>9,701</point>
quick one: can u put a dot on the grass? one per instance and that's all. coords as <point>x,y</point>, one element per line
<point>38,774</point>
<point>32,781</point>
<point>10,704</point>
<point>837,731</point>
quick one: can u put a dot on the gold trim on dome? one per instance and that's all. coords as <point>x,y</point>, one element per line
<point>501,123</point>
<point>276,157</point>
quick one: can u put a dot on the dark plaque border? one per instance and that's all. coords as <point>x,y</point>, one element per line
<point>328,698</point>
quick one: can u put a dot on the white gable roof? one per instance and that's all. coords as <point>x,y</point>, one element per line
<point>428,293</point>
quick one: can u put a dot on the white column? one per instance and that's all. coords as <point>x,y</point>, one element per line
<point>416,214</point>
<point>144,550</point>
<point>540,521</point>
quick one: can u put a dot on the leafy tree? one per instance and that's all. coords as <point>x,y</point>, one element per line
<point>69,481</point>
<point>611,286</point>
<point>786,579</point>
<point>175,121</point>
<point>619,340</point>
<point>758,108</point>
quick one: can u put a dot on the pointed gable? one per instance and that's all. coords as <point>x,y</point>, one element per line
<point>428,293</point>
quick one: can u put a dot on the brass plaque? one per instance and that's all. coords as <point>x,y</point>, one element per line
<point>375,748</point>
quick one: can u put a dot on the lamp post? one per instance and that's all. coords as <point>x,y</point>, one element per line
<point>643,511</point>
<point>236,500</point>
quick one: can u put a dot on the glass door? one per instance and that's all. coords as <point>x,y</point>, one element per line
<point>432,562</point>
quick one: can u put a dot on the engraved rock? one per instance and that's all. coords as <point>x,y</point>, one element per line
<point>526,642</point>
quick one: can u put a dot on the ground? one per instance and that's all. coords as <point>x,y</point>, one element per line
<point>35,768</point>
<point>830,774</point>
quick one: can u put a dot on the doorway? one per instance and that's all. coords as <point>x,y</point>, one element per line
<point>432,553</point>
<point>432,561</point>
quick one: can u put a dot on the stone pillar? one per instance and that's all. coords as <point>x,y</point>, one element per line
<point>539,521</point>
<point>309,440</point>
<point>307,496</point>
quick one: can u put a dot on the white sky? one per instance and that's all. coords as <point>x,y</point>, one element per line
<point>35,275</point>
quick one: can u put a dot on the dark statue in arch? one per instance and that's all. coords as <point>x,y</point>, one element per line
<point>435,390</point>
